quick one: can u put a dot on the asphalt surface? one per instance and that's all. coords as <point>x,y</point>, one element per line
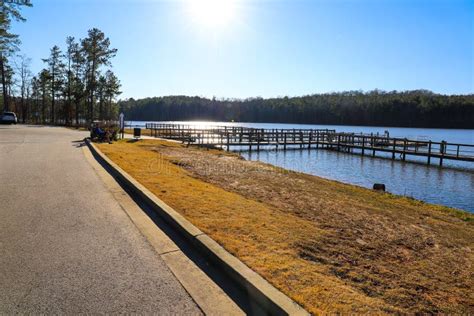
<point>66,246</point>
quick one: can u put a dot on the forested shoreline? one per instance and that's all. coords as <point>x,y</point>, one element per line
<point>419,108</point>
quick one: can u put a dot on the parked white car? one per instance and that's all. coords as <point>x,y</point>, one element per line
<point>8,118</point>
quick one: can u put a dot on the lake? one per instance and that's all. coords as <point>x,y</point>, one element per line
<point>452,185</point>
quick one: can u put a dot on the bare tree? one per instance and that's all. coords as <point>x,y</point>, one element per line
<point>22,66</point>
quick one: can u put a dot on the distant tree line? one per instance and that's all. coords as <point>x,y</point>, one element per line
<point>418,108</point>
<point>76,86</point>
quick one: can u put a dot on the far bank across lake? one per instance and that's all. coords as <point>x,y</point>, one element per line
<point>418,108</point>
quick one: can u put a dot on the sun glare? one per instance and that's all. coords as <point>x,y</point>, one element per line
<point>212,13</point>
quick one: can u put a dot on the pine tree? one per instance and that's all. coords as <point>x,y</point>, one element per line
<point>111,91</point>
<point>56,71</point>
<point>98,53</point>
<point>44,80</point>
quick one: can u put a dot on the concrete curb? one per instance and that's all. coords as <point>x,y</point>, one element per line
<point>270,298</point>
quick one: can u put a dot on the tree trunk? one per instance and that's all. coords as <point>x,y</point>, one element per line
<point>4,85</point>
<point>43,105</point>
<point>68,107</point>
<point>52,97</point>
<point>23,109</point>
<point>77,111</point>
<point>101,106</point>
<point>92,88</point>
<point>91,101</point>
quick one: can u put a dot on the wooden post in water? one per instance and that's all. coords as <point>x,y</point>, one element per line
<point>258,141</point>
<point>429,153</point>
<point>373,146</point>
<point>363,144</point>
<point>284,142</point>
<point>404,149</point>
<point>442,150</point>
<point>309,140</point>
<point>228,142</point>
<point>250,140</point>
<point>393,149</point>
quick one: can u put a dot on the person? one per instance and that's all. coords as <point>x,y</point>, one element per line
<point>442,147</point>
<point>98,133</point>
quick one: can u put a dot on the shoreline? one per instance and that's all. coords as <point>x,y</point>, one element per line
<point>417,163</point>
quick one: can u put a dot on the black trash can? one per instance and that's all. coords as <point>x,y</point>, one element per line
<point>137,132</point>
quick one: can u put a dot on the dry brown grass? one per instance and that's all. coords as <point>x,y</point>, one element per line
<point>332,247</point>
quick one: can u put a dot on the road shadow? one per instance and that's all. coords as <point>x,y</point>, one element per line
<point>79,143</point>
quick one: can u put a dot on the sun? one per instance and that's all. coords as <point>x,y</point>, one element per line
<point>212,13</point>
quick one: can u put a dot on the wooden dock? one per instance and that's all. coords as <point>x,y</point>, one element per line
<point>246,138</point>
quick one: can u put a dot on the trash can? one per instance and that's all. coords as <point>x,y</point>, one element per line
<point>137,132</point>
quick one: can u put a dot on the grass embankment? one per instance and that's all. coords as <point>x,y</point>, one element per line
<point>331,247</point>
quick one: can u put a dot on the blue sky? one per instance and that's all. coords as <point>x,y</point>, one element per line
<point>268,48</point>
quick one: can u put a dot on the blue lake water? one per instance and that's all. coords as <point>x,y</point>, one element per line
<point>452,185</point>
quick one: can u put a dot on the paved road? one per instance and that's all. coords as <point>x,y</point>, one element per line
<point>66,246</point>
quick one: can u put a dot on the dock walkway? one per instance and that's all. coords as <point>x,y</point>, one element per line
<point>238,137</point>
